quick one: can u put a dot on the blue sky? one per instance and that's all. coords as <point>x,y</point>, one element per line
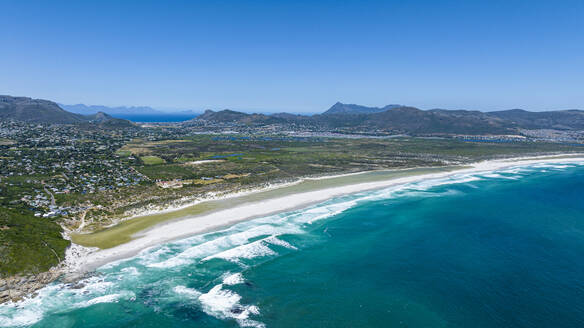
<point>299,56</point>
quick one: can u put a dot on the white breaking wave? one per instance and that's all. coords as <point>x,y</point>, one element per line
<point>252,250</point>
<point>101,299</point>
<point>132,271</point>
<point>325,211</point>
<point>57,298</point>
<point>233,279</point>
<point>24,317</point>
<point>149,256</point>
<point>187,291</point>
<point>222,303</point>
<point>275,241</point>
<point>221,244</point>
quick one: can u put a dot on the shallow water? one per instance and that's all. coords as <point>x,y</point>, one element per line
<point>496,249</point>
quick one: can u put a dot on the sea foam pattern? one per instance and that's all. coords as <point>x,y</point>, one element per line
<point>205,272</point>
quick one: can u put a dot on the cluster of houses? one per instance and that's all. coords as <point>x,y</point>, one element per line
<point>45,160</point>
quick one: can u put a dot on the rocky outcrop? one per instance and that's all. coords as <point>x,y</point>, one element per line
<point>69,271</point>
<point>15,288</point>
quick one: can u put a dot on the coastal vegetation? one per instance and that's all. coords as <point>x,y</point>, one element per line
<point>27,244</point>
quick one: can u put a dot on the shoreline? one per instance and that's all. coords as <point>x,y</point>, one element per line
<point>80,260</point>
<point>186,202</point>
<point>124,230</point>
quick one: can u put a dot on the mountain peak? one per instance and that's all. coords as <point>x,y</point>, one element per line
<point>222,115</point>
<point>99,117</point>
<point>35,110</point>
<point>341,108</point>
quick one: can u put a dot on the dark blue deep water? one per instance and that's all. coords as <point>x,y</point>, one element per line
<point>496,249</point>
<point>166,117</point>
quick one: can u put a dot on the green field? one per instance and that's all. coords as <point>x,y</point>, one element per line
<point>123,153</point>
<point>284,157</point>
<point>152,160</point>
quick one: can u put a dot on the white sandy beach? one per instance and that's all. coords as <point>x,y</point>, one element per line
<point>80,259</point>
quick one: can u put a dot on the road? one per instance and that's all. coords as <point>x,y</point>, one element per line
<point>50,194</point>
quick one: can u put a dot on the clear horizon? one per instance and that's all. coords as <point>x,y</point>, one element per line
<point>299,57</point>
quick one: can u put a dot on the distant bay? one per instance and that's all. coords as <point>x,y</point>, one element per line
<point>170,117</point>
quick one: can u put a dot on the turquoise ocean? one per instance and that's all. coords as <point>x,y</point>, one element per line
<point>492,249</point>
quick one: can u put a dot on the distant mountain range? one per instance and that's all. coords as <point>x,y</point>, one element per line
<point>45,111</point>
<point>350,117</point>
<point>92,109</point>
<point>559,120</point>
<point>411,120</point>
<point>134,113</point>
<point>122,110</point>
